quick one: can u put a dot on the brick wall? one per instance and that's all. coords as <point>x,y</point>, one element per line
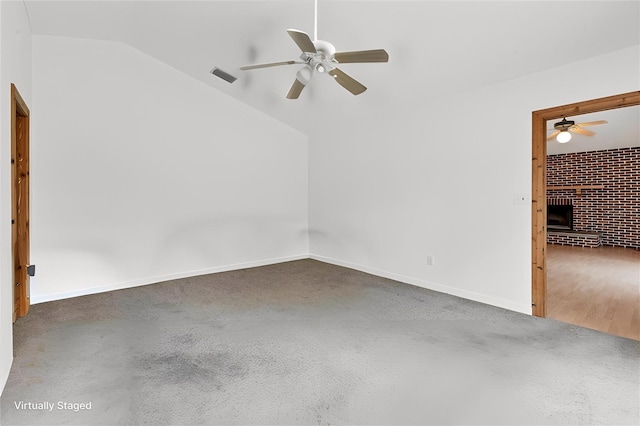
<point>613,211</point>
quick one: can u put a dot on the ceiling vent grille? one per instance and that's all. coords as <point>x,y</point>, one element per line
<point>223,75</point>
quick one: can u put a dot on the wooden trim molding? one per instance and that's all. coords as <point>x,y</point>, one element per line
<point>539,184</point>
<point>18,103</point>
<point>19,203</point>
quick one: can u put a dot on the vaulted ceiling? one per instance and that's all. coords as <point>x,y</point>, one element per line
<point>436,47</point>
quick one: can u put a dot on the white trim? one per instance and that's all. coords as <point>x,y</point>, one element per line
<point>153,280</point>
<point>465,294</point>
<point>470,295</point>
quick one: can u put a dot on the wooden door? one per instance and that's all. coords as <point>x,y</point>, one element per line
<point>20,202</point>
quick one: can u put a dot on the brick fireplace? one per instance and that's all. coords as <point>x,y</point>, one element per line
<point>603,190</point>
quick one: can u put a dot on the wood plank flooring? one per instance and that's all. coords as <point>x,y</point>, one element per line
<point>597,288</point>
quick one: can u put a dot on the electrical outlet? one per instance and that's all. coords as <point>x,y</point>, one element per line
<point>429,260</point>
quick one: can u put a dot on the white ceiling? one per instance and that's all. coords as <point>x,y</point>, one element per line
<point>435,47</point>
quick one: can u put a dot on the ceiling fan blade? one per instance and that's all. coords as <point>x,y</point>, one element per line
<point>553,135</point>
<point>581,131</point>
<point>295,90</point>
<point>593,123</point>
<point>378,55</point>
<point>302,40</point>
<point>272,64</point>
<point>347,82</point>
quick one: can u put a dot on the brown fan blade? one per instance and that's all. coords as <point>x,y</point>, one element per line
<point>378,55</point>
<point>579,130</point>
<point>347,82</point>
<point>273,64</point>
<point>593,123</point>
<point>302,40</point>
<point>295,90</point>
<point>553,135</point>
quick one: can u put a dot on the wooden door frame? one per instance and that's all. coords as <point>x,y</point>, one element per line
<point>539,184</point>
<point>20,119</point>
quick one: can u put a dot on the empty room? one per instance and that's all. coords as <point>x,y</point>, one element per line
<point>319,212</point>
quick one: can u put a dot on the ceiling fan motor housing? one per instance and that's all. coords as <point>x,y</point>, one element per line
<point>564,124</point>
<point>325,49</point>
<point>318,62</point>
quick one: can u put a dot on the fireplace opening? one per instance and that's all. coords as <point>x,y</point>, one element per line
<point>560,217</point>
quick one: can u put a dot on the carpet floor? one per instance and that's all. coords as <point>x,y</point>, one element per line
<point>308,343</point>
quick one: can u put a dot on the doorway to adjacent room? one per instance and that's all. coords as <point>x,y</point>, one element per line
<point>539,183</point>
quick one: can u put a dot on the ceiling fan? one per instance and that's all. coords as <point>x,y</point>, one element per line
<point>564,128</point>
<point>321,56</point>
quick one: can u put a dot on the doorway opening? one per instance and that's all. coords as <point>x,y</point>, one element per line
<point>539,184</point>
<point>20,203</point>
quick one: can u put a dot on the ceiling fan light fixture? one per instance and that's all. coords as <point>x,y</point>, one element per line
<point>564,137</point>
<point>320,68</point>
<point>304,75</point>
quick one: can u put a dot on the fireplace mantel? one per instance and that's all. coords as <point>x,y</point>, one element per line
<point>578,188</point>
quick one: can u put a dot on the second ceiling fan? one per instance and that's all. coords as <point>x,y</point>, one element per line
<point>564,128</point>
<point>321,56</point>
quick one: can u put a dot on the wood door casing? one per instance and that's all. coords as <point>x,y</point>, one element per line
<point>20,238</point>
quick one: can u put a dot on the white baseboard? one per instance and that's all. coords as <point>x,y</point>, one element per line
<point>160,278</point>
<point>465,294</point>
<point>478,297</point>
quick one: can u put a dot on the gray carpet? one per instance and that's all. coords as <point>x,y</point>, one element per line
<point>309,343</point>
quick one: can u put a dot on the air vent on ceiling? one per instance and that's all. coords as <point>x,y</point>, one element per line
<point>223,75</point>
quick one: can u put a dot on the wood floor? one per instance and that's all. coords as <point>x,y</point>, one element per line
<point>597,288</point>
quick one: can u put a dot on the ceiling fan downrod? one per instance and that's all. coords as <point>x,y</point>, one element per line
<point>315,21</point>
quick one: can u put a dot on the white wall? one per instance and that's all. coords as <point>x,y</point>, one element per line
<point>435,176</point>
<point>15,67</point>
<point>141,174</point>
